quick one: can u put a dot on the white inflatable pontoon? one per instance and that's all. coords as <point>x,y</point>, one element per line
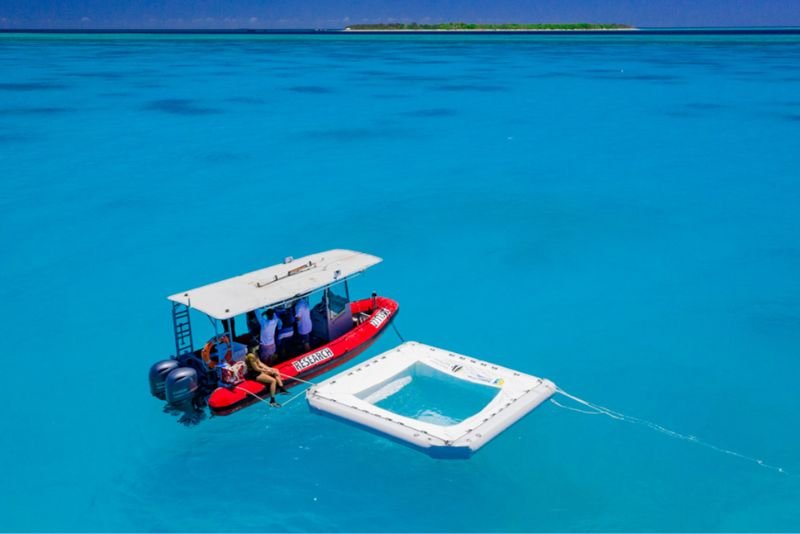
<point>354,395</point>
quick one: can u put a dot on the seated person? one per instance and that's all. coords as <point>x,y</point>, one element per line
<point>261,372</point>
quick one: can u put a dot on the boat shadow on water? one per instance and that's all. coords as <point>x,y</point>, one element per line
<point>187,416</point>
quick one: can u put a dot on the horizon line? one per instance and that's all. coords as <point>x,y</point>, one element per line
<point>342,29</point>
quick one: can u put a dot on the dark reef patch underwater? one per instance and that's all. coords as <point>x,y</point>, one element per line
<point>180,106</point>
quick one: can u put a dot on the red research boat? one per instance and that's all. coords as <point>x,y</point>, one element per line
<point>373,315</point>
<point>341,330</point>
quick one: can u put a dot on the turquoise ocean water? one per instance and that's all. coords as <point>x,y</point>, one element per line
<point>616,213</point>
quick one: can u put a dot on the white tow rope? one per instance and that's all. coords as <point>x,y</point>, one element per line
<point>593,409</point>
<point>596,409</point>
<point>296,379</point>
<point>265,401</point>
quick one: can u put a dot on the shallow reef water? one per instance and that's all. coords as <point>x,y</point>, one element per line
<point>615,213</point>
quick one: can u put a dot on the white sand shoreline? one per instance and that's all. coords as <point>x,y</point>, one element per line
<point>491,30</point>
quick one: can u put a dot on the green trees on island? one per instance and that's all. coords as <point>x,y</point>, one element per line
<point>470,26</point>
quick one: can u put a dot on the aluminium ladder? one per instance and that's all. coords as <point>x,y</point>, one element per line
<point>182,325</point>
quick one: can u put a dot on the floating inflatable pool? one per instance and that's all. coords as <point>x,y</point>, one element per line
<point>361,396</point>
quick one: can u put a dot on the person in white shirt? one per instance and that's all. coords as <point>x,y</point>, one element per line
<point>303,317</point>
<point>269,325</point>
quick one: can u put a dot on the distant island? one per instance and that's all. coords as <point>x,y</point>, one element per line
<point>465,26</point>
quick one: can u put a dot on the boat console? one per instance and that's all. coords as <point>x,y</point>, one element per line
<point>331,321</point>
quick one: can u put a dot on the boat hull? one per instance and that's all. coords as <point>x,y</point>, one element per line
<point>381,310</point>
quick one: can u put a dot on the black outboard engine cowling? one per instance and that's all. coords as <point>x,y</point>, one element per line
<point>181,385</point>
<point>158,376</point>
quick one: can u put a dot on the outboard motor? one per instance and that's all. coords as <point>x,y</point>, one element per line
<point>181,385</point>
<point>158,376</point>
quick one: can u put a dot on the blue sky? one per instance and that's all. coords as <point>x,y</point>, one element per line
<point>220,14</point>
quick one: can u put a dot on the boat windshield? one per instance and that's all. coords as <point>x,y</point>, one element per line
<point>338,299</point>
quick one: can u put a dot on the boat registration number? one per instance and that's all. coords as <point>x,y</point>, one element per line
<point>311,359</point>
<point>380,317</point>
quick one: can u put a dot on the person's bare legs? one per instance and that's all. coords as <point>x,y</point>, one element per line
<point>278,379</point>
<point>266,379</point>
<point>276,375</point>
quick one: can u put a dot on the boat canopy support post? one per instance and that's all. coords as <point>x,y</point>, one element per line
<point>229,327</point>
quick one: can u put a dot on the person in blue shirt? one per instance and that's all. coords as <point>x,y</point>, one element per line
<point>302,316</point>
<point>270,324</point>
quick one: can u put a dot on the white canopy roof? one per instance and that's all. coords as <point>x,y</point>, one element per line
<point>276,284</point>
